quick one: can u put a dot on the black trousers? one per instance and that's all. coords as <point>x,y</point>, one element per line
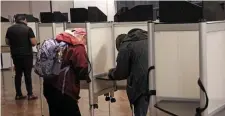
<point>23,64</point>
<point>60,104</point>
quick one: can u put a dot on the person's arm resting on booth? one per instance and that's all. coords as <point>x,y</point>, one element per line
<point>122,70</point>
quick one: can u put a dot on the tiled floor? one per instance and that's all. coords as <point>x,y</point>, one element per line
<point>10,107</point>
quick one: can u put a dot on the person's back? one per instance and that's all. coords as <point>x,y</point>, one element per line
<point>132,63</point>
<point>137,44</point>
<point>19,39</point>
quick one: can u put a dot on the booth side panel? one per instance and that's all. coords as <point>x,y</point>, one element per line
<point>45,32</point>
<point>102,56</point>
<point>124,29</point>
<point>166,56</point>
<point>4,28</point>
<point>102,60</point>
<point>189,64</point>
<point>59,28</point>
<point>6,57</point>
<point>177,64</point>
<point>216,70</point>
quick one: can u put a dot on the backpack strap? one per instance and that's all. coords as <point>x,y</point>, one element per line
<point>66,69</point>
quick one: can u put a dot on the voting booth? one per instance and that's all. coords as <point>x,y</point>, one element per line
<point>212,65</point>
<point>101,43</point>
<point>176,52</point>
<point>181,53</point>
<point>176,60</point>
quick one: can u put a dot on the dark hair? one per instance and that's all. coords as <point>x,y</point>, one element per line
<point>119,40</point>
<point>19,18</point>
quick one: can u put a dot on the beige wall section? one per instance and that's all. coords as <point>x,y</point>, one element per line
<point>106,6</point>
<point>39,6</point>
<point>26,7</point>
<point>13,7</point>
<point>34,7</point>
<point>62,6</point>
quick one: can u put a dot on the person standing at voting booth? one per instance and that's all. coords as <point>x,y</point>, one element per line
<point>132,64</point>
<point>62,91</point>
<point>21,38</point>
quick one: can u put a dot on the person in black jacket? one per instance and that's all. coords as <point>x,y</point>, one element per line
<point>132,64</point>
<point>21,38</point>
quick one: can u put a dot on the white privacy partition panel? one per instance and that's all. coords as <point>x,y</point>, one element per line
<point>58,28</point>
<point>45,31</point>
<point>213,64</point>
<point>4,28</point>
<point>177,61</point>
<point>124,28</point>
<point>101,55</point>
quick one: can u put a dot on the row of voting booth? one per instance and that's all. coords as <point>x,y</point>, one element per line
<point>181,54</point>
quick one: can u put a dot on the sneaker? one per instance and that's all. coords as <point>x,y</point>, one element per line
<point>20,97</point>
<point>32,97</point>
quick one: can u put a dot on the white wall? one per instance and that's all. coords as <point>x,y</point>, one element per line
<point>106,6</point>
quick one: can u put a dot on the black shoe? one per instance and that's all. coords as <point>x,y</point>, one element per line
<point>20,97</point>
<point>32,97</point>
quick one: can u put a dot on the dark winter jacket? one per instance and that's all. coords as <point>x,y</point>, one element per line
<point>132,63</point>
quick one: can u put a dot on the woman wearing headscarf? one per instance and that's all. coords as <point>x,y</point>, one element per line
<point>66,104</point>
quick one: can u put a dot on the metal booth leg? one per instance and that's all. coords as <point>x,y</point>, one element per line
<point>151,63</point>
<point>41,96</point>
<point>133,110</point>
<point>91,88</point>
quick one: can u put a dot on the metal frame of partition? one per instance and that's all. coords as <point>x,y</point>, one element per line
<point>151,62</point>
<point>202,60</point>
